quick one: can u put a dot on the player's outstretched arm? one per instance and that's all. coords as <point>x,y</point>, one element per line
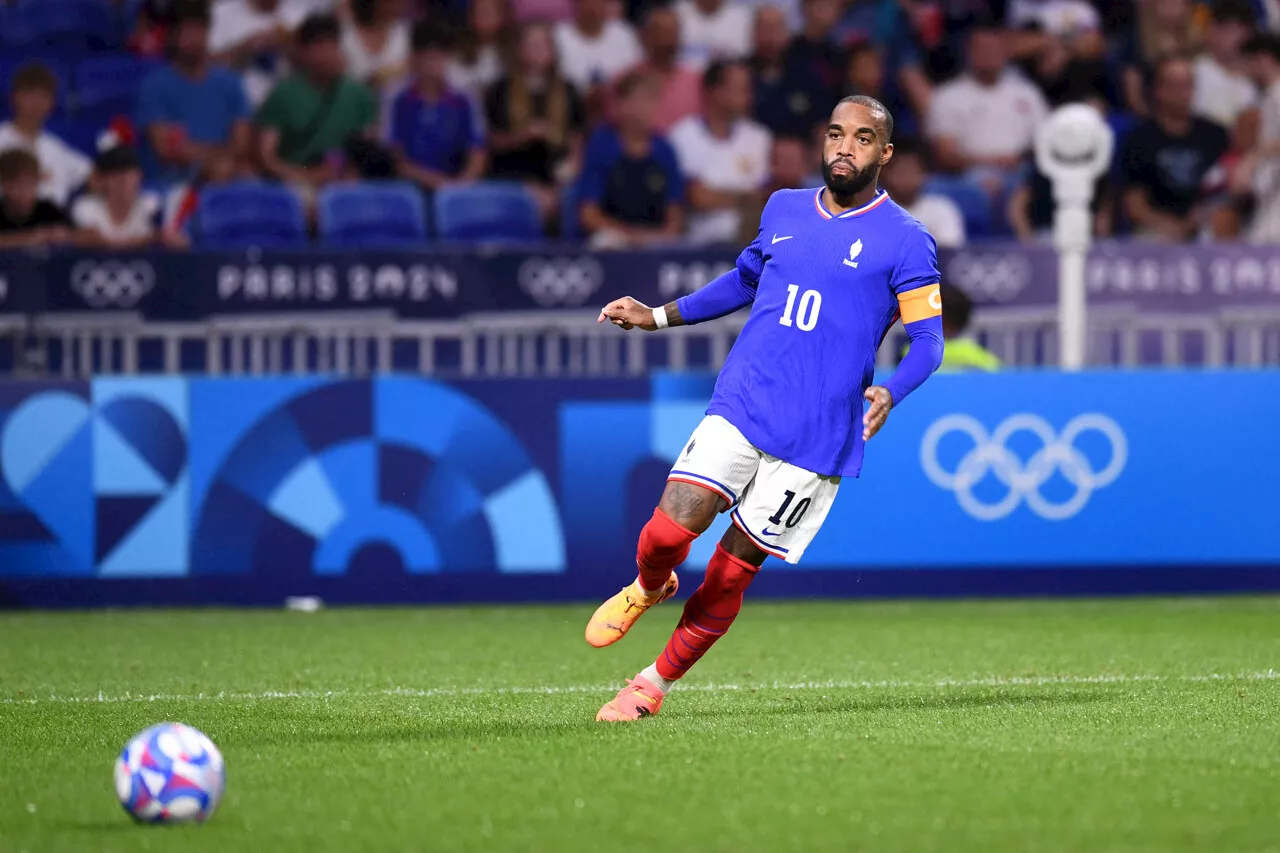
<point>628,313</point>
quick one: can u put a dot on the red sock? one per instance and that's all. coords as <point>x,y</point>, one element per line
<point>664,544</point>
<point>707,614</point>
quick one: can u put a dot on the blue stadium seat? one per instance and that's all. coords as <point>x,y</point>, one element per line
<point>390,213</point>
<point>495,211</point>
<point>250,214</point>
<point>570,215</point>
<point>974,204</point>
<point>65,27</point>
<point>107,86</point>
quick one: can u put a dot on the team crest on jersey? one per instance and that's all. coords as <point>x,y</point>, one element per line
<point>854,251</point>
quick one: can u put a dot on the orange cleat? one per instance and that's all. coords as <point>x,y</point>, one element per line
<point>613,619</point>
<point>639,699</point>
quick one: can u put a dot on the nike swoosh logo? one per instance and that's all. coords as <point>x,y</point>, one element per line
<point>777,239</point>
<point>767,533</point>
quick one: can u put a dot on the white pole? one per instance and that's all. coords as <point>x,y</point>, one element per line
<point>1073,148</point>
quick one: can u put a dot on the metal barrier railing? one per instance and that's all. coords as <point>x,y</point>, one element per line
<point>571,343</point>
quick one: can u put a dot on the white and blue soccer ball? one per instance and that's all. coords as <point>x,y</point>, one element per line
<point>170,773</point>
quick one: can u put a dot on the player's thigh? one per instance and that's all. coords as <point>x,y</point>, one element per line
<point>784,508</point>
<point>711,473</point>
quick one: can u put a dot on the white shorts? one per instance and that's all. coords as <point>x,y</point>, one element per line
<point>781,507</point>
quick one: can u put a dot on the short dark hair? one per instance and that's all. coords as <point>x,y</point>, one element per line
<point>433,36</point>
<point>886,117</point>
<point>16,163</point>
<point>121,158</point>
<point>718,70</point>
<point>190,12</point>
<point>34,75</point>
<point>957,307</point>
<point>1233,11</point>
<point>315,29</point>
<point>1157,68</point>
<point>1265,43</point>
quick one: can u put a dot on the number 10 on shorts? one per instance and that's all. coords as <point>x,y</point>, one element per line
<point>810,305</point>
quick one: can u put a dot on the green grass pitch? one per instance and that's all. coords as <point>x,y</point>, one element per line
<point>1125,725</point>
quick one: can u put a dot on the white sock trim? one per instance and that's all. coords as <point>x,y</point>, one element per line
<point>650,674</point>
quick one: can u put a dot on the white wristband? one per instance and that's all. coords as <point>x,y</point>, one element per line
<point>660,316</point>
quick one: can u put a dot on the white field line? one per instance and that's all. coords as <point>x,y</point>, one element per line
<point>430,692</point>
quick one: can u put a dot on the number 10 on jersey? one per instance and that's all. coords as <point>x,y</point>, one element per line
<point>807,315</point>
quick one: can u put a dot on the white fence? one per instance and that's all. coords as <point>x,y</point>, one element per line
<point>569,343</point>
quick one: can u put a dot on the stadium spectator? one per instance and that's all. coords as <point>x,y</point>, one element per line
<point>1031,205</point>
<point>867,73</point>
<point>813,48</point>
<point>1060,46</point>
<point>477,63</point>
<point>1263,53</point>
<point>250,36</point>
<point>188,110</point>
<point>962,351</point>
<point>524,11</point>
<point>26,219</point>
<point>1167,157</point>
<point>1163,28</point>
<point>679,86</point>
<point>1223,87</point>
<point>375,41</point>
<point>790,165</point>
<point>117,214</point>
<point>982,123</point>
<point>437,131</point>
<point>32,93</point>
<point>535,119</point>
<point>789,97</point>
<point>312,114</point>
<point>632,191</point>
<point>713,30</point>
<point>905,178</point>
<point>593,49</point>
<point>724,156</point>
<point>150,36</point>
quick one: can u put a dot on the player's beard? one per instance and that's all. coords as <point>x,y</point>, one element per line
<point>847,186</point>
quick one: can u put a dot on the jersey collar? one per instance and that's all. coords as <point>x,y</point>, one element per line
<point>880,198</point>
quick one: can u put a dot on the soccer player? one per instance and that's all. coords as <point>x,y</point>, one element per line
<point>829,272</point>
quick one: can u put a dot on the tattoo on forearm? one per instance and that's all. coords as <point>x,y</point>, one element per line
<point>673,314</point>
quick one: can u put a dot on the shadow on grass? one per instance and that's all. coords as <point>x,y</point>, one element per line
<point>796,704</point>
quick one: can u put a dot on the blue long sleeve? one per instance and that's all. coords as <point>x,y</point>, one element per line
<point>723,295</point>
<point>923,357</point>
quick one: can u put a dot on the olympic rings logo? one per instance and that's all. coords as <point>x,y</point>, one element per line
<point>990,455</point>
<point>560,282</point>
<point>112,284</point>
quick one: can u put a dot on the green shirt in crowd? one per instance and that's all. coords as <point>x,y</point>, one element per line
<point>312,122</point>
<point>960,354</point>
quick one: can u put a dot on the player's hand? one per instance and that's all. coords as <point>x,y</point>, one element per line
<point>627,313</point>
<point>881,403</point>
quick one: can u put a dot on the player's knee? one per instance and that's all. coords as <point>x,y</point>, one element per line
<point>692,507</point>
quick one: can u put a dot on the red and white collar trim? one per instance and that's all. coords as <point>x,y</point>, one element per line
<point>881,198</point>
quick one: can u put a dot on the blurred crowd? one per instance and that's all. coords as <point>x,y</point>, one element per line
<point>643,122</point>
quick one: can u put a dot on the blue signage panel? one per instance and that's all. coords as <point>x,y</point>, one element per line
<point>407,489</point>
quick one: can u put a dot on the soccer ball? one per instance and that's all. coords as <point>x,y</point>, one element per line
<point>170,773</point>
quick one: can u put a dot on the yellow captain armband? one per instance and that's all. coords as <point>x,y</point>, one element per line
<point>920,303</point>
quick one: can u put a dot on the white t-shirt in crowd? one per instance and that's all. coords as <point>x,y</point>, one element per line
<point>90,212</point>
<point>363,65</point>
<point>1265,227</point>
<point>736,163</point>
<point>941,218</point>
<point>587,61</point>
<point>234,22</point>
<point>1056,17</point>
<point>724,34</point>
<point>63,170</point>
<point>987,121</point>
<point>477,77</point>
<point>1221,94</point>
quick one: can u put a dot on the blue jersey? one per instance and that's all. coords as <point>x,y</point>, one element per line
<point>825,291</point>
